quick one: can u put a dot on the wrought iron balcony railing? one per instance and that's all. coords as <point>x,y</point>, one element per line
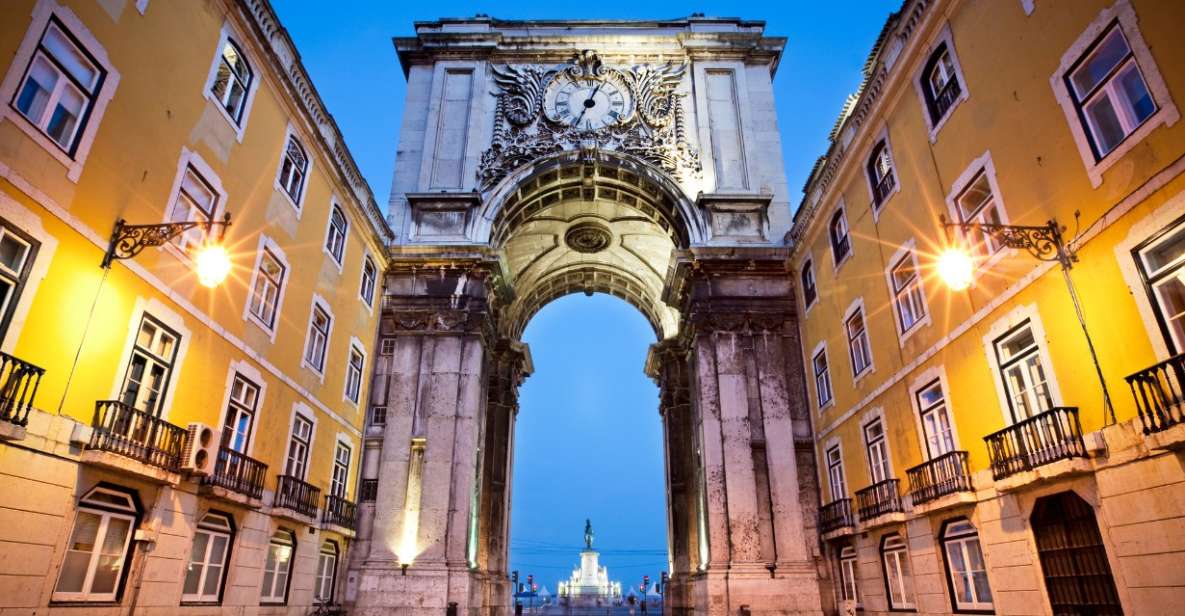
<point>18,386</point>
<point>369,490</point>
<point>1160,394</point>
<point>878,499</point>
<point>340,512</point>
<point>237,472</point>
<point>884,188</point>
<point>946,474</point>
<point>294,494</point>
<point>945,99</point>
<point>836,515</point>
<point>1041,439</point>
<point>130,432</point>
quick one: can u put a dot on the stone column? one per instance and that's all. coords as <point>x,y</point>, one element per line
<point>430,464</point>
<point>738,310</point>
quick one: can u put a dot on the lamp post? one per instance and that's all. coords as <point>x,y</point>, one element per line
<point>211,259</point>
<point>1044,243</point>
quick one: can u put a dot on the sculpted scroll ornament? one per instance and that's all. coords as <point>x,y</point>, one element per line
<point>544,110</point>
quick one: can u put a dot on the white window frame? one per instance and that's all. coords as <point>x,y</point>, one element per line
<point>326,573</point>
<point>211,531</point>
<point>24,221</point>
<point>339,477</point>
<point>297,203</point>
<point>907,251</point>
<point>922,81</point>
<point>1002,327</point>
<point>878,469</point>
<point>352,391</point>
<point>169,365</point>
<point>237,408</point>
<point>857,307</point>
<point>849,589</point>
<point>895,559</point>
<point>877,208</point>
<point>984,166</point>
<point>85,137</point>
<point>106,511</point>
<point>962,537</point>
<point>300,413</point>
<point>269,246</point>
<point>842,212</point>
<point>239,126</point>
<point>1166,113</point>
<point>821,404</point>
<point>364,293</point>
<point>835,472</point>
<point>330,230</point>
<point>162,313</point>
<point>373,418</point>
<point>191,160</point>
<point>924,380</point>
<point>387,346</point>
<point>318,303</point>
<point>808,270</point>
<point>1159,221</point>
<point>269,596</point>
<point>244,370</point>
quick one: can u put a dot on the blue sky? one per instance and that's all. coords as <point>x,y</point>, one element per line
<point>589,437</point>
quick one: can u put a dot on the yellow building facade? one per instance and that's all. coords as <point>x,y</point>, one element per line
<point>968,458</point>
<point>168,444</point>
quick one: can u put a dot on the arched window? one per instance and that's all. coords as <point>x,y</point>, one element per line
<point>232,81</point>
<point>97,554</point>
<point>1077,575</point>
<point>940,83</point>
<point>326,572</point>
<point>841,245</point>
<point>208,558</point>
<point>847,575</point>
<point>898,578</point>
<point>335,241</point>
<point>278,567</point>
<point>809,292</point>
<point>293,169</point>
<point>880,173</point>
<point>965,569</point>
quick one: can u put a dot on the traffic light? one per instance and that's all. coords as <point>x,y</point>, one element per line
<point>514,579</point>
<point>662,584</point>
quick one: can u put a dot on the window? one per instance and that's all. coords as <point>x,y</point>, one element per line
<point>1161,261</point>
<point>858,346</point>
<point>940,84</point>
<point>841,245</point>
<point>378,415</point>
<point>232,81</point>
<point>354,374</point>
<point>1109,92</point>
<point>979,204</point>
<point>847,575</point>
<point>99,547</point>
<point>369,274</point>
<point>935,421</point>
<point>897,576</point>
<point>809,292</point>
<point>293,169</point>
<point>835,474</point>
<point>1023,373</point>
<point>326,572</point>
<point>907,292</point>
<point>878,453</point>
<point>341,470</point>
<point>240,414</point>
<point>319,326</point>
<point>59,88</point>
<point>822,378</point>
<point>17,253</point>
<point>387,346</point>
<point>965,567</point>
<point>150,367</point>
<point>196,200</point>
<point>298,447</point>
<point>880,174</point>
<point>268,284</point>
<point>208,558</point>
<point>335,241</point>
<point>277,567</point>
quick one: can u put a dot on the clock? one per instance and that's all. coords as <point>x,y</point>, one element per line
<point>588,104</point>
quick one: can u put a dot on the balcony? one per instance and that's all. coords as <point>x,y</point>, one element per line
<point>835,519</point>
<point>369,490</point>
<point>18,386</point>
<point>236,478</point>
<point>942,482</point>
<point>945,99</point>
<point>295,500</point>
<point>879,504</point>
<point>127,439</point>
<point>884,188</point>
<point>1021,449</point>
<point>339,515</point>
<point>1160,400</point>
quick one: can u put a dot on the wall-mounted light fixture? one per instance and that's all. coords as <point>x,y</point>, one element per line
<point>211,259</point>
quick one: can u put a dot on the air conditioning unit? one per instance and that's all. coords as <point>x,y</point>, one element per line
<point>197,458</point>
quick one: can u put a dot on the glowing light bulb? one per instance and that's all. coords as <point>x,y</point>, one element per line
<point>213,265</point>
<point>956,268</point>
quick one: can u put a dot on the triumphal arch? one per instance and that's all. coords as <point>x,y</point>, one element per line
<point>542,158</point>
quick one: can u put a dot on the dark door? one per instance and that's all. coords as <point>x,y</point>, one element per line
<point>1073,560</point>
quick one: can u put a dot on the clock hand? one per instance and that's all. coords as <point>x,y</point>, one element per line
<point>587,106</point>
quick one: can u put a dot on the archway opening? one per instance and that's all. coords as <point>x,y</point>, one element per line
<point>588,445</point>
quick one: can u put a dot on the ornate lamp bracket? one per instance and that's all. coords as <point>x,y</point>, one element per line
<point>127,241</point>
<point>1044,242</point>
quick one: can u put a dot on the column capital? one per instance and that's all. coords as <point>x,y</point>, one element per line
<point>741,290</point>
<point>443,294</point>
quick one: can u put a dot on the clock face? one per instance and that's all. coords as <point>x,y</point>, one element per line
<point>588,104</point>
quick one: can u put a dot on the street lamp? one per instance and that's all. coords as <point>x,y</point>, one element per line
<point>1044,243</point>
<point>212,261</point>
